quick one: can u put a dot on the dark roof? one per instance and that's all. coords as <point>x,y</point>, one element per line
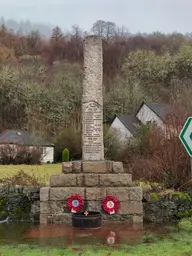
<point>20,137</point>
<point>160,109</point>
<point>130,122</point>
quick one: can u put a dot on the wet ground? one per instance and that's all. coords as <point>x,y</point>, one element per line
<point>59,235</point>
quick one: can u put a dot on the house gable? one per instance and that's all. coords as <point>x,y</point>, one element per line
<point>145,114</point>
<point>122,130</point>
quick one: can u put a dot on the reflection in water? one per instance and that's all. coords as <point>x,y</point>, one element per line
<point>108,232</point>
<point>59,235</point>
<point>111,239</point>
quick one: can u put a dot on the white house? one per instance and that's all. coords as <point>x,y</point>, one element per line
<point>23,138</point>
<point>148,112</point>
<point>153,112</point>
<point>125,125</point>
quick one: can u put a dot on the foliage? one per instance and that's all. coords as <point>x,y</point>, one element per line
<point>181,195</point>
<point>70,138</point>
<point>123,96</point>
<point>36,105</point>
<point>65,155</point>
<point>185,224</point>
<point>41,89</point>
<point>3,207</point>
<point>148,67</point>
<point>6,53</point>
<point>10,154</point>
<point>154,196</point>
<point>111,143</point>
<point>139,143</point>
<point>159,156</point>
<point>105,29</point>
<point>22,179</point>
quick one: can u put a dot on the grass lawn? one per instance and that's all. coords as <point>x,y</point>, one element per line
<point>42,172</point>
<point>179,244</point>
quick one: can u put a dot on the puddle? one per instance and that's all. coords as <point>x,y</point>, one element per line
<point>59,235</point>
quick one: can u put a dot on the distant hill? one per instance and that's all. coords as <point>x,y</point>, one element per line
<point>25,27</point>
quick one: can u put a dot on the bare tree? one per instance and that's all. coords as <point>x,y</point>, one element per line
<point>57,34</point>
<point>105,29</point>
<point>122,32</point>
<point>76,31</point>
<point>33,41</point>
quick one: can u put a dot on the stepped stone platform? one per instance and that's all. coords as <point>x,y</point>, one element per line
<point>93,180</point>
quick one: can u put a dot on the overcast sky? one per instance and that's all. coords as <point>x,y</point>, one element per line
<point>137,15</point>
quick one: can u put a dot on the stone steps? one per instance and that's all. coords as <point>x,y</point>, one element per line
<point>91,180</point>
<point>92,167</point>
<point>122,193</point>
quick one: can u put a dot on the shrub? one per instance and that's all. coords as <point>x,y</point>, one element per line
<point>69,138</point>
<point>12,154</point>
<point>23,179</point>
<point>159,156</point>
<point>185,224</point>
<point>65,155</point>
<point>112,145</point>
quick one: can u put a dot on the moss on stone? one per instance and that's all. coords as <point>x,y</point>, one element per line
<point>154,196</point>
<point>3,207</point>
<point>184,214</point>
<point>19,213</point>
<point>181,195</point>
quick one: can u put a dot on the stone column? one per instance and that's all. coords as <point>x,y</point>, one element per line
<point>92,100</point>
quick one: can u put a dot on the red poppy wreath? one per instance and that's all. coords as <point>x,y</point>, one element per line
<point>110,204</point>
<point>75,203</point>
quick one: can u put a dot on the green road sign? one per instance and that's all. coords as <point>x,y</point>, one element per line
<point>186,136</point>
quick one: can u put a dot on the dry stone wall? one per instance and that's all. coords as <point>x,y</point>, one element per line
<point>19,204</point>
<point>22,204</point>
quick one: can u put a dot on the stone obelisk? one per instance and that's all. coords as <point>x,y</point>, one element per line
<point>92,100</point>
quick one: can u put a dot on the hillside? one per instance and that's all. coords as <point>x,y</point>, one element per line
<point>41,80</point>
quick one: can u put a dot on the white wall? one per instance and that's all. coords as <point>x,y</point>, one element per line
<point>145,115</point>
<point>124,133</point>
<point>48,154</point>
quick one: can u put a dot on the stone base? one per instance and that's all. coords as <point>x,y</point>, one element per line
<point>93,181</point>
<point>53,203</point>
